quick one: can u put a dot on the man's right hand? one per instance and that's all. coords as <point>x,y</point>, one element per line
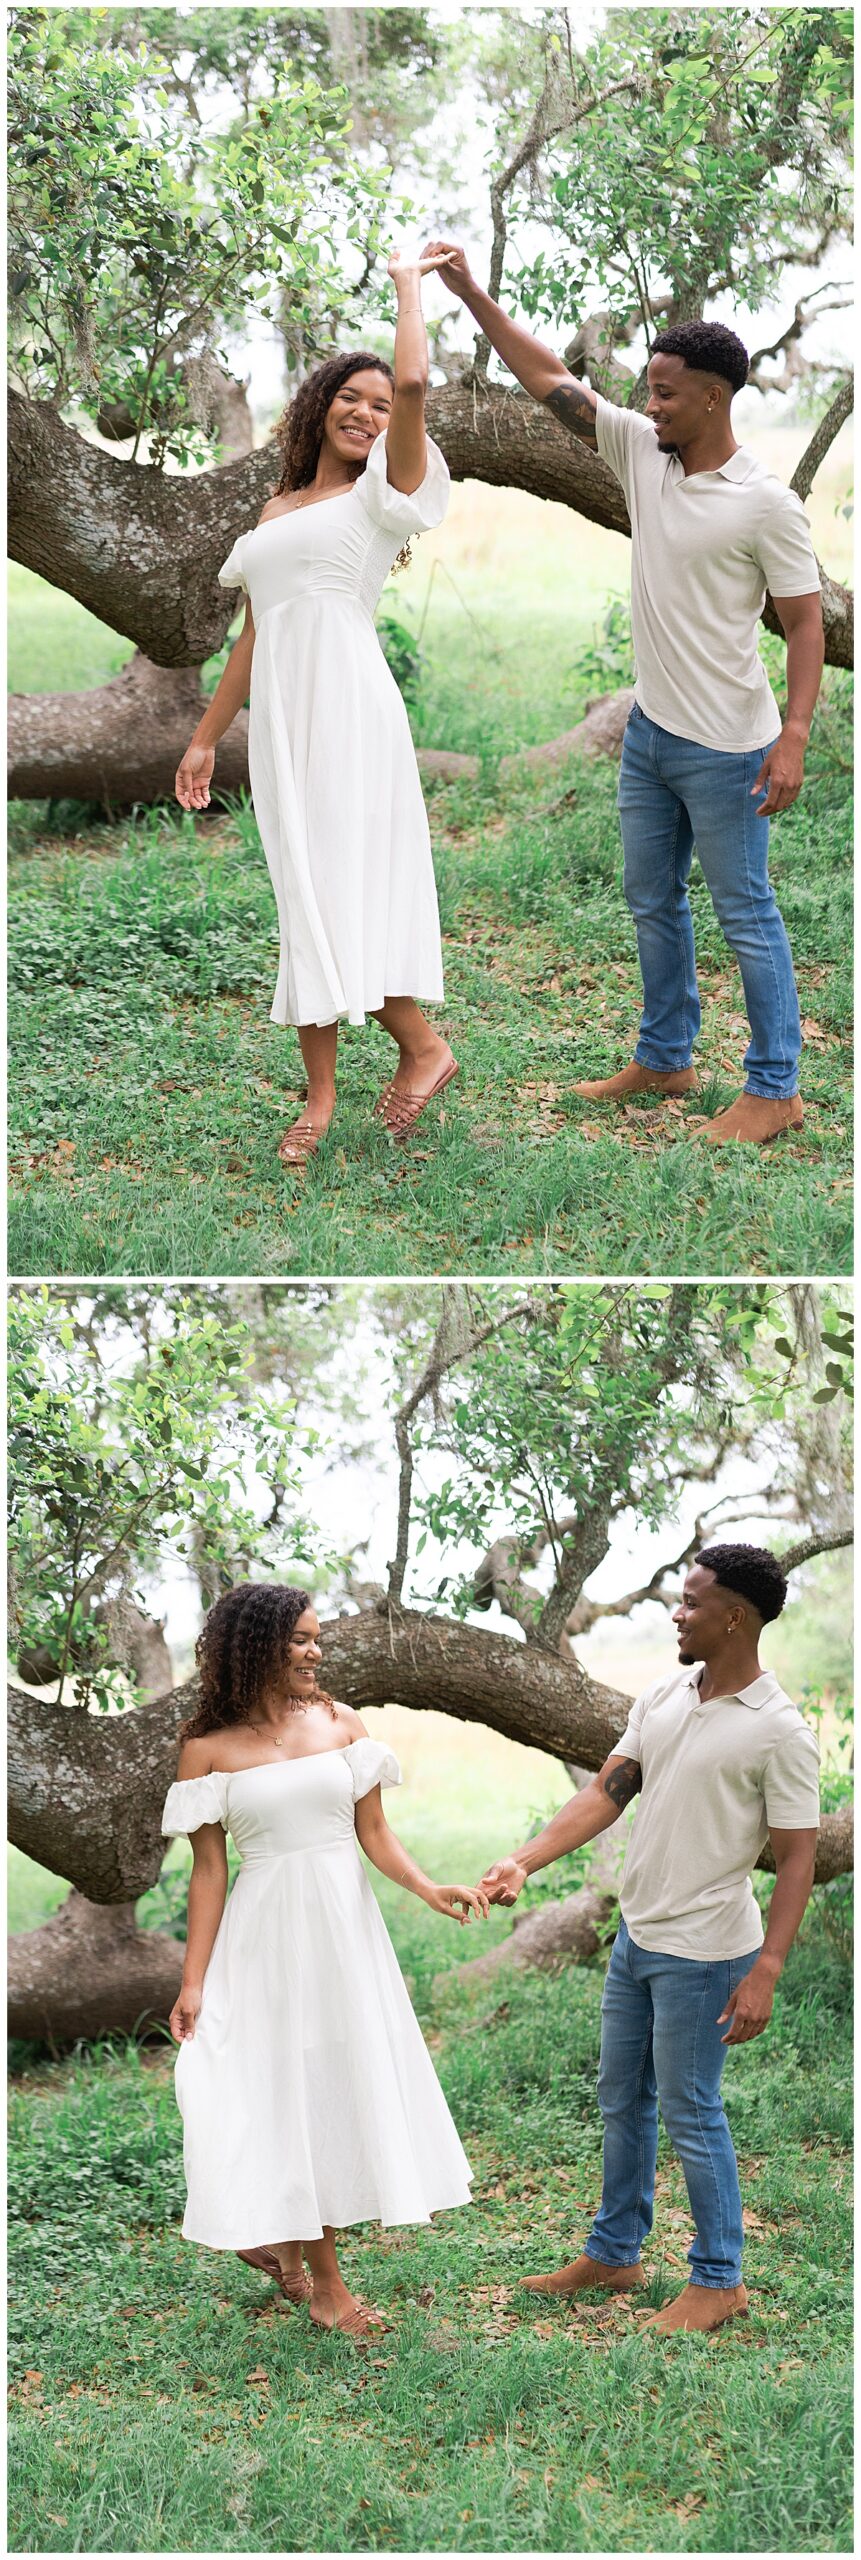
<point>504,1881</point>
<point>455,271</point>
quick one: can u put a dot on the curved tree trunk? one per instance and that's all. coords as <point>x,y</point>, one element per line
<point>90,1971</point>
<point>86,1792</point>
<point>119,744</point>
<point>141,548</point>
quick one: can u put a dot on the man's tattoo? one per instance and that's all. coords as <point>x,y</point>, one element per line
<point>623,1782</point>
<point>573,411</point>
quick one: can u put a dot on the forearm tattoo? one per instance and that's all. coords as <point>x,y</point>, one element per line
<point>574,411</point>
<point>623,1782</point>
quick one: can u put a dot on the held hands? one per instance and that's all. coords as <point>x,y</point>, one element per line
<point>194,777</point>
<point>184,2014</point>
<point>404,270</point>
<point>458,1902</point>
<point>749,2008</point>
<point>453,265</point>
<point>781,775</point>
<point>504,1881</point>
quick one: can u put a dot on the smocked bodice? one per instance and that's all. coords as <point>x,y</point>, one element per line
<point>341,546</point>
<point>284,1806</point>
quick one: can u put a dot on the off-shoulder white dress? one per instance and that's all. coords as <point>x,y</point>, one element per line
<point>334,777</point>
<point>307,2092</point>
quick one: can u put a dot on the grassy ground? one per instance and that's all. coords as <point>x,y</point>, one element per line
<point>161,2402</point>
<point>149,1089</point>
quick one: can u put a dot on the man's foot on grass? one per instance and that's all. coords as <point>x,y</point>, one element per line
<point>583,2276</point>
<point>700,2308</point>
<point>636,1079</point>
<point>752,1120</point>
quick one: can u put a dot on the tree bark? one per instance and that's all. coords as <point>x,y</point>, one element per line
<point>141,548</point>
<point>119,744</point>
<point>122,743</point>
<point>85,1792</point>
<point>90,1971</point>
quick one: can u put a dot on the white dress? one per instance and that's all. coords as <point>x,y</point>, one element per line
<point>333,771</point>
<point>307,2092</point>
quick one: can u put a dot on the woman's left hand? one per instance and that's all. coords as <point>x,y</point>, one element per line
<point>459,1902</point>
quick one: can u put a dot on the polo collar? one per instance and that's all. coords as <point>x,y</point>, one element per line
<point>739,466</point>
<point>759,1693</point>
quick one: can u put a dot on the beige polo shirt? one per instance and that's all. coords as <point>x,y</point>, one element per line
<point>704,549</point>
<point>715,1777</point>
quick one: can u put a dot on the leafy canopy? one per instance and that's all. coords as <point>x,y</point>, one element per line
<point>140,235</point>
<point>128,1446</point>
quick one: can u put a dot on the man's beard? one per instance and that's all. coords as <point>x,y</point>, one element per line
<point>688,1657</point>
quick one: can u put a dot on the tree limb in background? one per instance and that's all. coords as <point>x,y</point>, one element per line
<point>457,1336</point>
<point>823,437</point>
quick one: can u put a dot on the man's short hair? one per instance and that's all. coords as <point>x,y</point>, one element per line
<point>706,347</point>
<point>752,1572</point>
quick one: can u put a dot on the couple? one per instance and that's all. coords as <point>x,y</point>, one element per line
<point>308,2096</point>
<point>705,759</point>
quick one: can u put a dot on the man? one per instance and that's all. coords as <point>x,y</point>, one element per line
<point>705,757</point>
<point>722,1761</point>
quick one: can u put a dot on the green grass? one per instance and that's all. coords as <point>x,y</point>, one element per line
<point>149,1089</point>
<point>162,2403</point>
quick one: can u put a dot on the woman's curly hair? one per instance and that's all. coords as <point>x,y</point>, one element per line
<point>300,430</point>
<point>242,1649</point>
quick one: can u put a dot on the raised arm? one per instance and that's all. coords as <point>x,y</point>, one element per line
<point>195,773</point>
<point>541,372</point>
<point>406,442</point>
<point>592,1810</point>
<point>455,1901</point>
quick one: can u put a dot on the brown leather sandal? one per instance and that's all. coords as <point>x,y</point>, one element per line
<point>399,1112</point>
<point>363,2323</point>
<point>300,1143</point>
<point>295,2289</point>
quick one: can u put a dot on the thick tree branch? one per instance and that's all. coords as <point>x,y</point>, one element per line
<point>85,1792</point>
<point>141,548</point>
<point>821,441</point>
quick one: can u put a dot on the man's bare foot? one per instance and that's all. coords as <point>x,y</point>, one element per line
<point>700,2307</point>
<point>583,2275</point>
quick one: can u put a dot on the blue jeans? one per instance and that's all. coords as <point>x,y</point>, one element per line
<point>661,2044</point>
<point>673,794</point>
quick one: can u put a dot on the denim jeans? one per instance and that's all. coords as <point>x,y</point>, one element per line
<point>673,794</point>
<point>661,2044</point>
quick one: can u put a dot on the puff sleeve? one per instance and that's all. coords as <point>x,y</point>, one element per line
<point>391,509</point>
<point>371,1765</point>
<point>231,573</point>
<point>192,1801</point>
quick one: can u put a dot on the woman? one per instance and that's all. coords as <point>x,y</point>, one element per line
<point>333,771</point>
<point>308,2096</point>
